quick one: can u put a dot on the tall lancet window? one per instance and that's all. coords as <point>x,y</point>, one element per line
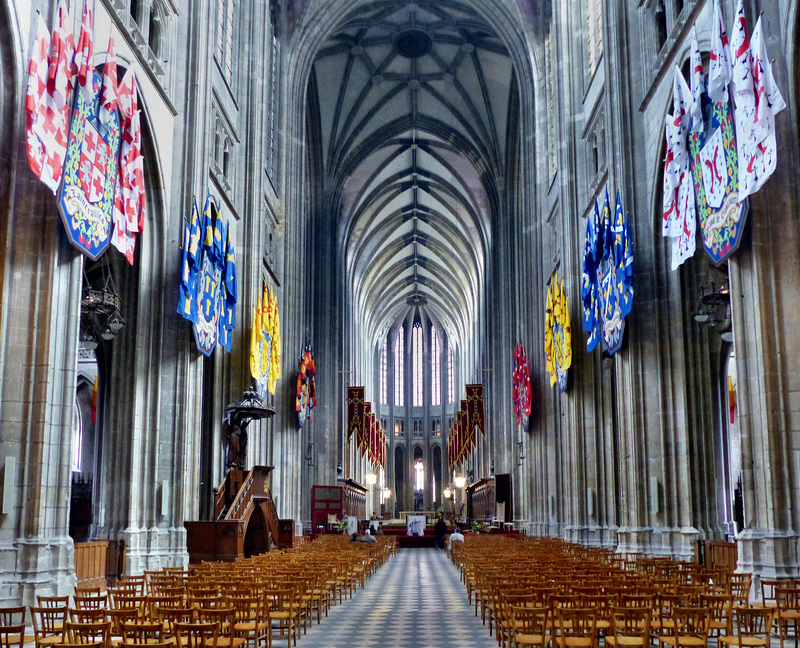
<point>416,363</point>
<point>384,398</point>
<point>399,365</point>
<point>436,366</point>
<point>451,395</point>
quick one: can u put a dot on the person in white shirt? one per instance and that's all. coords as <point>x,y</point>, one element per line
<point>368,537</point>
<point>456,536</point>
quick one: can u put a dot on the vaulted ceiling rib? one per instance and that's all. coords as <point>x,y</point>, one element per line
<point>413,102</point>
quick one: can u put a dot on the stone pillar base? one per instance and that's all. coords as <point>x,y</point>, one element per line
<point>154,548</point>
<point>592,536</point>
<point>36,566</point>
<point>671,542</point>
<point>771,554</point>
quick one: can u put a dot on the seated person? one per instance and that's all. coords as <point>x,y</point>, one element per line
<point>354,538</point>
<point>456,536</point>
<point>368,537</point>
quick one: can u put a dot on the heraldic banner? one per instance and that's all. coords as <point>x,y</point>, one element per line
<point>86,199</point>
<point>477,412</point>
<point>306,399</point>
<point>209,285</point>
<point>355,411</point>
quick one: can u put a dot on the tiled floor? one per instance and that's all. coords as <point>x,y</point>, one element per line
<point>415,600</point>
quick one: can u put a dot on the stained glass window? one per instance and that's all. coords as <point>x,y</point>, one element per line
<point>384,398</point>
<point>450,383</point>
<point>436,366</point>
<point>399,373</point>
<point>416,364</point>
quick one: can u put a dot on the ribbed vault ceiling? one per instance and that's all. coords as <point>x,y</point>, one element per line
<point>413,107</point>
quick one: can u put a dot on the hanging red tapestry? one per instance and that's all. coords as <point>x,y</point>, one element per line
<point>306,387</point>
<point>523,390</point>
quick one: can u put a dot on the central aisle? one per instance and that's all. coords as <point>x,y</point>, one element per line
<point>416,600</point>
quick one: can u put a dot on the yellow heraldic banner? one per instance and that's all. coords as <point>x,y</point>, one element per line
<point>265,343</point>
<point>275,364</point>
<point>558,333</point>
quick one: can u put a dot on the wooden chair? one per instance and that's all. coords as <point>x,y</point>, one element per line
<point>282,611</point>
<point>635,599</point>
<point>88,615</point>
<point>577,628</point>
<point>170,617</point>
<point>739,585</point>
<point>753,628</point>
<point>769,590</point>
<point>126,600</point>
<point>201,590</point>
<point>118,620</point>
<point>663,623</point>
<point>128,588</point>
<point>96,632</point>
<point>505,622</point>
<point>48,625</point>
<point>196,635</point>
<point>52,601</point>
<point>154,579</point>
<point>630,627</point>
<point>136,584</point>
<point>206,602</point>
<point>142,632</point>
<point>251,623</point>
<point>787,612</point>
<point>721,606</point>
<point>12,636</point>
<point>530,626</point>
<point>90,600</point>
<point>225,618</point>
<point>159,604</point>
<point>692,593</point>
<point>12,615</point>
<point>601,604</point>
<point>690,628</point>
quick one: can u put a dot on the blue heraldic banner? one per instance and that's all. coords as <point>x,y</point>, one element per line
<point>716,182</point>
<point>208,279</point>
<point>86,198</point>
<point>190,261</point>
<point>209,283</point>
<point>608,300</point>
<point>591,313</point>
<point>227,320</point>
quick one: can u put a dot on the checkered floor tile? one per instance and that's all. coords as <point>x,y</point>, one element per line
<point>416,600</point>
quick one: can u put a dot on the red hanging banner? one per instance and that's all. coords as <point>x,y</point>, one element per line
<point>477,413</point>
<point>355,412</point>
<point>364,438</point>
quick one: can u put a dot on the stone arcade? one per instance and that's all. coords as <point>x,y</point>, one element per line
<point>407,176</point>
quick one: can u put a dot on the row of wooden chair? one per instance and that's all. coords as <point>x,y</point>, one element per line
<point>552,575</point>
<point>631,628</point>
<point>246,600</point>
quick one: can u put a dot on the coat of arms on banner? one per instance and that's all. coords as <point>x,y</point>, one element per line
<point>86,199</point>
<point>716,179</point>
<point>612,321</point>
<point>563,354</point>
<point>206,330</point>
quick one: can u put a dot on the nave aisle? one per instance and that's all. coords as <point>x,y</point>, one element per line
<point>416,600</point>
